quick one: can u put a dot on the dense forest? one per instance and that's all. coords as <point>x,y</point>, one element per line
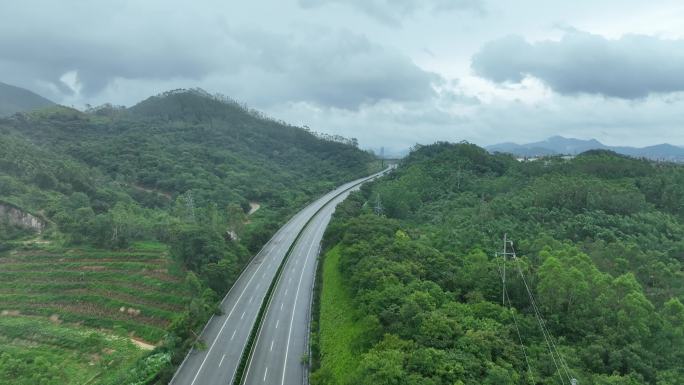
<point>114,175</point>
<point>183,169</point>
<point>599,243</point>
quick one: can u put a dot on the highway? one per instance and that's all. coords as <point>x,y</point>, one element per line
<point>282,340</point>
<point>226,335</point>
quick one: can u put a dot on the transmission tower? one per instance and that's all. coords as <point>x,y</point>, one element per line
<point>190,206</point>
<point>378,205</point>
<point>558,360</point>
<point>505,254</point>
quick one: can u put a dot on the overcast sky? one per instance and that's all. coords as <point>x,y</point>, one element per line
<point>391,73</point>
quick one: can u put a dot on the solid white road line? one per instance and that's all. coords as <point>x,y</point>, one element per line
<point>294,220</point>
<point>289,335</point>
<point>249,364</point>
<point>222,358</point>
<point>224,325</point>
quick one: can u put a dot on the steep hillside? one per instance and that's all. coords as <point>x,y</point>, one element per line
<point>14,99</point>
<point>183,146</point>
<point>146,222</point>
<point>599,247</point>
<point>90,310</point>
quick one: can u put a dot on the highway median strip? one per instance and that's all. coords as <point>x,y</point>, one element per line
<point>248,351</point>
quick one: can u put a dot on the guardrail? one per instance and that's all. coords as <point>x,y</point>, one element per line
<point>248,352</point>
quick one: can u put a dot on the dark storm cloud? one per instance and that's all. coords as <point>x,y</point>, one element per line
<point>321,66</point>
<point>392,11</point>
<point>99,62</point>
<point>631,67</point>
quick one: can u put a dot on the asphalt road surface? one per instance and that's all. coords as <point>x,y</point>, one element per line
<point>282,340</point>
<point>226,335</point>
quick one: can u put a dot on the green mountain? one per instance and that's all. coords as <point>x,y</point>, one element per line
<point>146,217</point>
<point>14,99</point>
<point>594,292</point>
<point>181,145</point>
<point>558,145</point>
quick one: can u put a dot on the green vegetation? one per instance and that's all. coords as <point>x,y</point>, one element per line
<point>337,323</point>
<point>36,351</point>
<point>131,291</point>
<point>69,315</point>
<point>599,240</point>
<point>145,214</point>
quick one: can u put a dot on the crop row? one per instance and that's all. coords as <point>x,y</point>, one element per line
<point>161,299</point>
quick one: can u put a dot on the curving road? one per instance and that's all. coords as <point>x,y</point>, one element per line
<point>226,335</point>
<point>282,340</point>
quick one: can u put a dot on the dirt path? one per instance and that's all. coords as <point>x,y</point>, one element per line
<point>253,207</point>
<point>142,344</point>
<point>153,191</point>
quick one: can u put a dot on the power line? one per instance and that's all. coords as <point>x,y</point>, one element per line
<point>548,338</point>
<point>541,320</point>
<point>507,298</point>
<point>541,326</point>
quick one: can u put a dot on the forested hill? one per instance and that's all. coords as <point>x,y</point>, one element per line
<point>177,192</point>
<point>185,140</point>
<point>599,240</point>
<point>179,146</point>
<point>14,99</point>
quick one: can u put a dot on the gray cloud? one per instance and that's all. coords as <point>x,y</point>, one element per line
<point>391,12</point>
<point>631,67</point>
<point>330,68</point>
<point>97,63</point>
<point>335,66</point>
<point>399,126</point>
<point>338,69</point>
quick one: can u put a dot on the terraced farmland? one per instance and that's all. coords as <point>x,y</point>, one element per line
<point>93,309</point>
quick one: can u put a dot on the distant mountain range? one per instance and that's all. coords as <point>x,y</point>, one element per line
<point>558,145</point>
<point>14,99</point>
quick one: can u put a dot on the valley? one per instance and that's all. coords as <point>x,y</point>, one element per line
<point>127,226</point>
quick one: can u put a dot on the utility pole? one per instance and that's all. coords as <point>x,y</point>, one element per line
<point>382,157</point>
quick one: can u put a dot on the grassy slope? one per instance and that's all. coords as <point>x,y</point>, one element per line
<point>91,287</point>
<point>65,306</point>
<point>74,168</point>
<point>337,322</point>
<point>35,350</point>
